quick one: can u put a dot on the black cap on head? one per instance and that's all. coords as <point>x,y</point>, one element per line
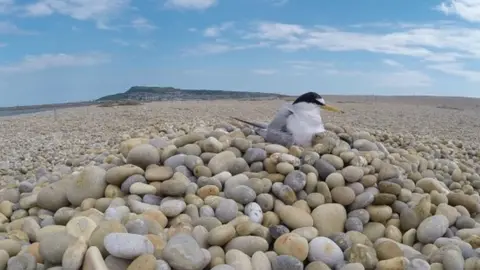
<point>309,97</point>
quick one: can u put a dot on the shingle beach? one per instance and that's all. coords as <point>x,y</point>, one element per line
<point>393,184</point>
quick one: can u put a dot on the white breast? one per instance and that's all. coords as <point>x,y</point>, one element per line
<point>304,123</point>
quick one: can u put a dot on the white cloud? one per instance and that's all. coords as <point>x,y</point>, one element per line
<point>132,43</point>
<point>392,63</point>
<point>308,65</point>
<point>99,11</point>
<point>3,44</point>
<point>142,24</point>
<point>264,71</point>
<point>466,9</point>
<point>216,30</point>
<point>218,48</point>
<point>190,4</point>
<point>457,69</point>
<point>446,43</point>
<point>46,61</point>
<point>277,31</point>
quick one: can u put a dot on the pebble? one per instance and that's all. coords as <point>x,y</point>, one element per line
<point>286,262</point>
<point>325,250</point>
<point>432,228</point>
<point>292,244</point>
<point>127,246</point>
<point>226,211</point>
<point>247,244</point>
<point>183,252</point>
<point>329,218</point>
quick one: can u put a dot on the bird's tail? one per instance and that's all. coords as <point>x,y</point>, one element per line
<point>258,125</point>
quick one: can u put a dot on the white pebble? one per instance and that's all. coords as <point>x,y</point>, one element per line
<point>254,212</point>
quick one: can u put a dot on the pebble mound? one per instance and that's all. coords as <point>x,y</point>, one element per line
<point>219,197</point>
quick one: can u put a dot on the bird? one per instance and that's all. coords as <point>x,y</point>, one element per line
<point>296,123</point>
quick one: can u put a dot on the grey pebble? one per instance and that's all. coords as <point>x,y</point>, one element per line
<point>183,252</point>
<point>25,187</point>
<point>354,224</point>
<point>226,210</point>
<point>464,222</point>
<point>362,201</point>
<point>432,228</point>
<point>24,261</point>
<point>296,180</point>
<point>324,168</point>
<point>152,199</point>
<point>361,214</point>
<point>277,230</point>
<point>254,154</point>
<point>175,161</point>
<point>127,246</point>
<point>206,211</point>
<point>342,240</point>
<point>241,194</point>
<point>265,201</point>
<point>286,262</point>
<point>137,226</point>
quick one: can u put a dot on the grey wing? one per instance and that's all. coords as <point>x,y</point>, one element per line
<point>279,137</point>
<point>277,129</point>
<point>279,122</point>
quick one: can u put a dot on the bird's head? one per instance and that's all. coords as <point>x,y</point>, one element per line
<point>315,99</point>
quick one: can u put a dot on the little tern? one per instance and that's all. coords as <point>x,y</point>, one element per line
<point>296,123</point>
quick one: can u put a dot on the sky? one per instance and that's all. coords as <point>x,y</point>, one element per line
<point>72,50</point>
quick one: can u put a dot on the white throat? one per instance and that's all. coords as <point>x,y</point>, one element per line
<point>305,122</point>
<point>309,111</point>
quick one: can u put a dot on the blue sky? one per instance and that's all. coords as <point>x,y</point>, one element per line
<point>69,50</point>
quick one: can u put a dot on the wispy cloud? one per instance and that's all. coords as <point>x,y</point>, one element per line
<point>3,44</point>
<point>127,43</point>
<point>308,65</point>
<point>264,71</point>
<point>46,61</point>
<point>457,69</point>
<point>218,48</point>
<point>142,24</point>
<point>392,63</point>
<point>216,30</point>
<point>190,4</point>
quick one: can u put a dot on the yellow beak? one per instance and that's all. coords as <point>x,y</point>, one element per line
<point>331,108</point>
